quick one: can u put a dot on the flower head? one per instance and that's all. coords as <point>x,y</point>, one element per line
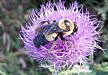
<point>78,45</point>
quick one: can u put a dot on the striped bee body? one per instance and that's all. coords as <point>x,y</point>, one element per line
<point>50,32</point>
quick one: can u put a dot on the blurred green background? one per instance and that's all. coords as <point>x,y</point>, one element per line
<point>13,13</point>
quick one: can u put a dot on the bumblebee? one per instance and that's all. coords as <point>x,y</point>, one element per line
<point>50,32</point>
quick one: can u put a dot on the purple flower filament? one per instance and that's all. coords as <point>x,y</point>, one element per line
<point>77,47</point>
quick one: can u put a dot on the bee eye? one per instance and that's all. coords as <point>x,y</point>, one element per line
<point>76,29</point>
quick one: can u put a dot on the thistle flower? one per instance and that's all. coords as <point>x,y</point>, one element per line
<point>77,47</point>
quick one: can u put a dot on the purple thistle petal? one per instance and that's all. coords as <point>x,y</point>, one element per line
<point>79,45</point>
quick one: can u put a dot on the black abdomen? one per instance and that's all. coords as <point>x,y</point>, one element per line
<point>40,40</point>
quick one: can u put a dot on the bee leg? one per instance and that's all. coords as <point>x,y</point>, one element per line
<point>45,22</point>
<point>63,39</point>
<point>53,45</point>
<point>55,41</point>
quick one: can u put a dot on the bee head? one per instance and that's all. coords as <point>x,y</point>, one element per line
<point>75,28</point>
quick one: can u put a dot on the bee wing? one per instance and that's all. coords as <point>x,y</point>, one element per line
<point>48,29</point>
